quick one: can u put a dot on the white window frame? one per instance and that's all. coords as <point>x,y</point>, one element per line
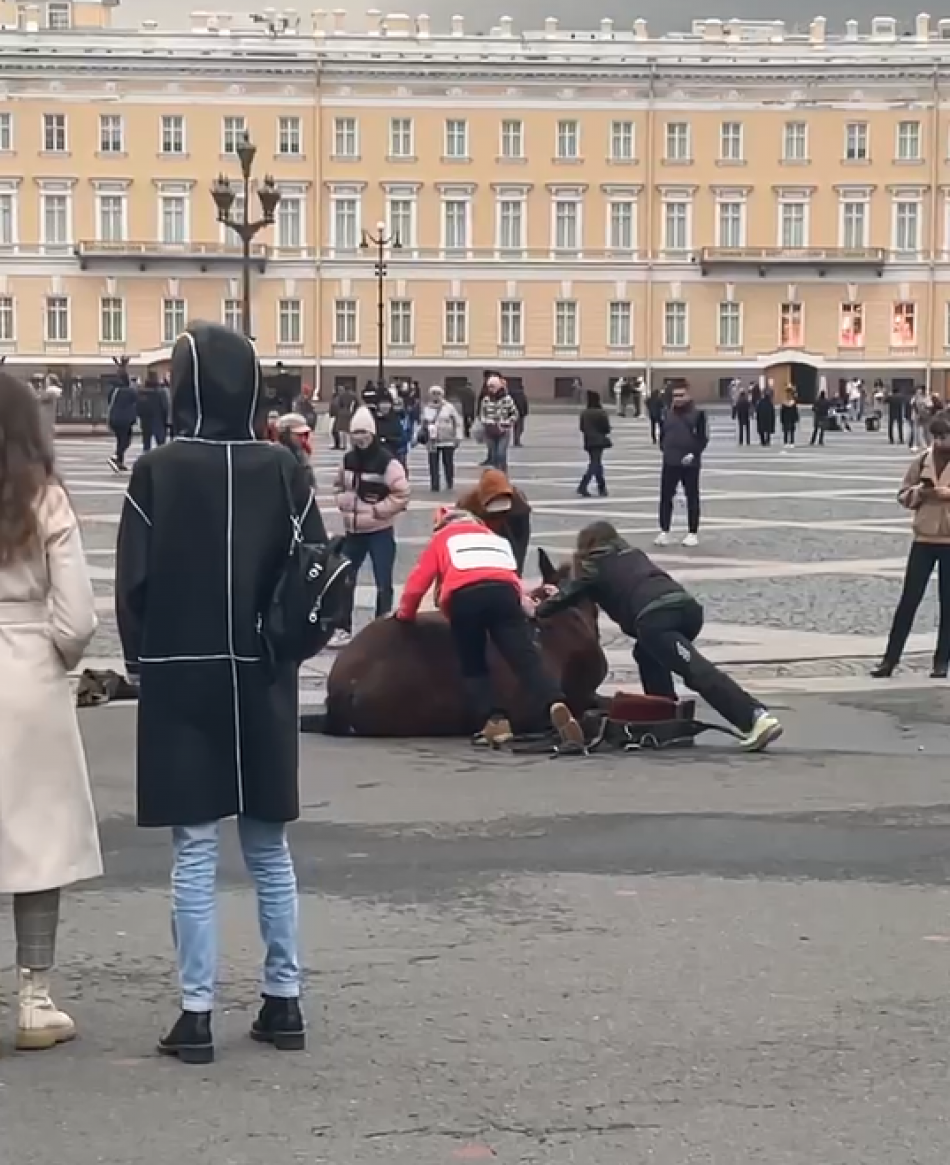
<point>396,336</point>
<point>799,309</point>
<point>67,316</point>
<point>898,203</point>
<point>9,189</point>
<point>290,312</point>
<point>577,202</point>
<point>7,145</point>
<point>59,15</point>
<point>795,146</point>
<point>112,301</point>
<point>857,311</point>
<point>289,134</point>
<point>731,141</point>
<point>857,141</point>
<point>805,205</point>
<point>908,146</point>
<point>729,311</point>
<point>51,121</point>
<point>298,199</point>
<point>465,201</point>
<point>847,201</point>
<point>915,315</point>
<point>8,335</point>
<point>232,313</point>
<point>614,203</point>
<point>687,204</point>
<point>455,323</point>
<point>406,230</point>
<point>65,193</point>
<point>511,139</point>
<point>567,139</point>
<point>622,144</point>
<point>172,315</point>
<point>620,324</point>
<point>343,315</point>
<point>512,316</point>
<point>173,125</point>
<point>233,129</point>
<point>336,198</point>
<point>122,198</point>
<point>111,134</point>
<point>184,196</point>
<point>567,324</point>
<point>402,132</point>
<point>678,142</point>
<point>732,203</point>
<point>675,317</point>
<point>455,139</point>
<point>505,197</point>
<point>346,139</point>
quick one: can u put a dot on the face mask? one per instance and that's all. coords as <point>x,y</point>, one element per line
<point>362,440</point>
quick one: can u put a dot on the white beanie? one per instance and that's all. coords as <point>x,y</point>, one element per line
<point>363,421</point>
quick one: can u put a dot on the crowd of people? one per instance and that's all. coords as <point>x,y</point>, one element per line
<point>209,525</point>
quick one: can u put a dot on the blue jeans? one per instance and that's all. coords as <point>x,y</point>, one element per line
<point>380,545</point>
<point>194,923</point>
<point>496,450</point>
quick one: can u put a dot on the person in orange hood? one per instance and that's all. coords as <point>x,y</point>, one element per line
<point>504,510</point>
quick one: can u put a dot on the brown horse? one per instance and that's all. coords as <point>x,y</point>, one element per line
<point>403,679</point>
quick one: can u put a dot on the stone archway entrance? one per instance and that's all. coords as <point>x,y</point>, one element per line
<point>792,370</point>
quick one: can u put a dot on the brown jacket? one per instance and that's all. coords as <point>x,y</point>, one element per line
<point>931,515</point>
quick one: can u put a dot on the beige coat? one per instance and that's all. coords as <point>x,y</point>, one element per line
<point>48,833</point>
<point>931,514</point>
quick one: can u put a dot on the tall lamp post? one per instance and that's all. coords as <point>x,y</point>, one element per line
<point>380,241</point>
<point>245,227</point>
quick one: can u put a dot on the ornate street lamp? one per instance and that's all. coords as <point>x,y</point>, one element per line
<point>245,227</point>
<point>380,241</point>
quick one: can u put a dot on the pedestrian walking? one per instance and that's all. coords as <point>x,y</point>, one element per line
<point>392,429</point>
<point>790,417</point>
<point>123,411</point>
<point>664,620</point>
<point>498,416</point>
<point>152,407</point>
<point>683,440</point>
<point>203,542</point>
<point>655,410</point>
<point>465,395</point>
<point>921,410</point>
<point>765,417</point>
<point>820,412</point>
<point>742,411</point>
<point>371,491</point>
<point>48,833</point>
<point>440,430</point>
<point>520,398</point>
<point>342,406</point>
<point>926,493</point>
<point>896,407</point>
<point>595,432</point>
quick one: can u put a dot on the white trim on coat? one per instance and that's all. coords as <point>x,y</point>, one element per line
<point>239,759</point>
<point>141,513</point>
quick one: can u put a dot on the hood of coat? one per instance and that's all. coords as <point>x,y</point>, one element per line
<point>215,384</point>
<point>593,399</point>
<point>494,497</point>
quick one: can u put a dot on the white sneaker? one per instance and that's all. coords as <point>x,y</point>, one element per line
<point>765,729</point>
<point>40,1023</point>
<point>662,539</point>
<point>691,540</point>
<point>340,638</point>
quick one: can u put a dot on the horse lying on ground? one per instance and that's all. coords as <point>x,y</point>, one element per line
<point>403,680</point>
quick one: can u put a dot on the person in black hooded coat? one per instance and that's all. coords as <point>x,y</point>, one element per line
<point>204,536</point>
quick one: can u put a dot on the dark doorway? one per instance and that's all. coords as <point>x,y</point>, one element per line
<point>515,382</point>
<point>341,383</point>
<point>567,388</point>
<point>804,378</point>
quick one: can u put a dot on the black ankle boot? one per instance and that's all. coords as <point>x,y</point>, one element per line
<point>280,1022</point>
<point>939,671</point>
<point>190,1039</point>
<point>883,671</point>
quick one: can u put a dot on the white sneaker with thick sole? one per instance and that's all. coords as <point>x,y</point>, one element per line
<point>691,540</point>
<point>662,539</point>
<point>40,1024</point>
<point>763,732</point>
<point>340,639</point>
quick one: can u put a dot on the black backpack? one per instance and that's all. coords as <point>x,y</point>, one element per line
<point>311,599</point>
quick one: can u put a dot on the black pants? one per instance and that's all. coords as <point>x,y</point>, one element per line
<point>518,432</point>
<point>745,430</point>
<point>665,646</point>
<point>895,424</point>
<point>924,556</point>
<point>123,439</point>
<point>654,429</point>
<point>492,611</point>
<point>441,456</point>
<point>152,434</point>
<point>765,436</point>
<point>818,434</point>
<point>467,422</point>
<point>670,477</point>
<point>594,472</point>
<point>788,434</point>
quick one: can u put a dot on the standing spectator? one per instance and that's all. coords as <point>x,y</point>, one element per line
<point>440,431</point>
<point>765,417</point>
<point>371,393</point>
<point>520,397</point>
<point>48,834</point>
<point>743,414</point>
<point>820,411</point>
<point>926,493</point>
<point>895,415</point>
<point>498,416</point>
<point>921,410</point>
<point>371,491</point>
<point>790,417</point>
<point>293,432</point>
<point>283,386</point>
<point>48,392</point>
<point>203,538</point>
<point>655,411</point>
<point>392,429</point>
<point>683,439</point>
<point>466,403</point>
<point>304,406</point>
<point>636,391</point>
<point>152,407</point>
<point>595,430</point>
<point>123,410</point>
<point>342,407</point>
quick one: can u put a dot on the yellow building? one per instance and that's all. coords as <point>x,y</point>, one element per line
<point>733,201</point>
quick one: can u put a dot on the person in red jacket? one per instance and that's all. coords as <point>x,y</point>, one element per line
<point>479,592</point>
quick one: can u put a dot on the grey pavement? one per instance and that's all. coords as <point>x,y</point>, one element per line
<point>693,958</point>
